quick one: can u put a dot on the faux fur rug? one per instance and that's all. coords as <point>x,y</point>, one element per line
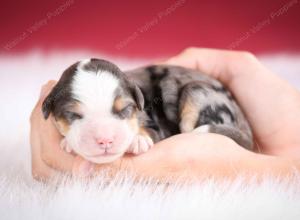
<point>21,77</point>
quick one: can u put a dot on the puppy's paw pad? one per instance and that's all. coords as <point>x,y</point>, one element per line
<point>141,144</point>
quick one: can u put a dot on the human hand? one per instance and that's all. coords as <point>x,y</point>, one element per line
<point>188,154</point>
<point>194,156</point>
<point>271,105</point>
<point>46,154</point>
<point>178,156</point>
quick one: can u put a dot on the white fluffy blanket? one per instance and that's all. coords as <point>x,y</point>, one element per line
<point>21,197</point>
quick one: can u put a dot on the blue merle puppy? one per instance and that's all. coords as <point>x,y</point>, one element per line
<point>103,112</point>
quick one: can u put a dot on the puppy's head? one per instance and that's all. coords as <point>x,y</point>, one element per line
<point>95,107</point>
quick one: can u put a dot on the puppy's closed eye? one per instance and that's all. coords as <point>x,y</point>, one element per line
<point>72,116</point>
<point>127,111</point>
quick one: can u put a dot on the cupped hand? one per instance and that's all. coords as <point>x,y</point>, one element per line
<point>47,157</point>
<point>185,155</point>
<point>271,104</point>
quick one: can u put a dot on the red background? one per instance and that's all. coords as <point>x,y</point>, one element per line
<point>102,25</point>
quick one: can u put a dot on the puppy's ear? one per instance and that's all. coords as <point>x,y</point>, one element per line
<point>49,102</point>
<point>60,90</point>
<point>138,96</point>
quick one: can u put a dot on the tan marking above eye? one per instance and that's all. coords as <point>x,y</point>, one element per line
<point>62,126</point>
<point>119,104</point>
<point>76,107</point>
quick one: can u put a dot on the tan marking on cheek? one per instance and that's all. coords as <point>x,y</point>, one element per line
<point>62,126</point>
<point>76,107</point>
<point>137,129</point>
<point>144,132</point>
<point>133,123</point>
<point>189,115</point>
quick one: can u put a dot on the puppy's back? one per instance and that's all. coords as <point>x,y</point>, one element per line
<point>181,100</point>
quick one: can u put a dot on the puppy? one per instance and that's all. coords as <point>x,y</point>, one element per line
<point>104,113</point>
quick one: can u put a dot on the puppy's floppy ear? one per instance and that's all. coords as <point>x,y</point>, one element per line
<point>138,96</point>
<point>60,90</point>
<point>49,102</point>
<point>47,107</point>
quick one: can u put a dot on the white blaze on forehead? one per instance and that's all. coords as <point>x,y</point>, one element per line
<point>94,90</point>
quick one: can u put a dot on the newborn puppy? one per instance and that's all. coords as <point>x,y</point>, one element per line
<point>103,112</point>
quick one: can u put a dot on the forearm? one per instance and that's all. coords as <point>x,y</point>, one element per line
<point>221,169</point>
<point>197,157</point>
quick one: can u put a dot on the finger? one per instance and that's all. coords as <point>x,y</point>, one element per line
<point>45,143</point>
<point>51,152</point>
<point>182,59</point>
<point>198,58</point>
<point>40,170</point>
<point>210,61</point>
<point>50,138</point>
<point>46,89</point>
<point>44,138</point>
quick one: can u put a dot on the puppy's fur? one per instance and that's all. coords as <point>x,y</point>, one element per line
<point>104,112</point>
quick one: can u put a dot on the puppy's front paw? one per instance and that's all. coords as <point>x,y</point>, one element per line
<point>140,144</point>
<point>202,129</point>
<point>64,145</point>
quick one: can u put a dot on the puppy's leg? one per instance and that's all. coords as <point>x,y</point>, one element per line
<point>235,134</point>
<point>191,101</point>
<point>207,110</point>
<point>140,144</point>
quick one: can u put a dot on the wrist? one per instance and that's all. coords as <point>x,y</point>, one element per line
<point>259,166</point>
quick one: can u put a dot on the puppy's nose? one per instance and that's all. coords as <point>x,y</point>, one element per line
<point>104,143</point>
